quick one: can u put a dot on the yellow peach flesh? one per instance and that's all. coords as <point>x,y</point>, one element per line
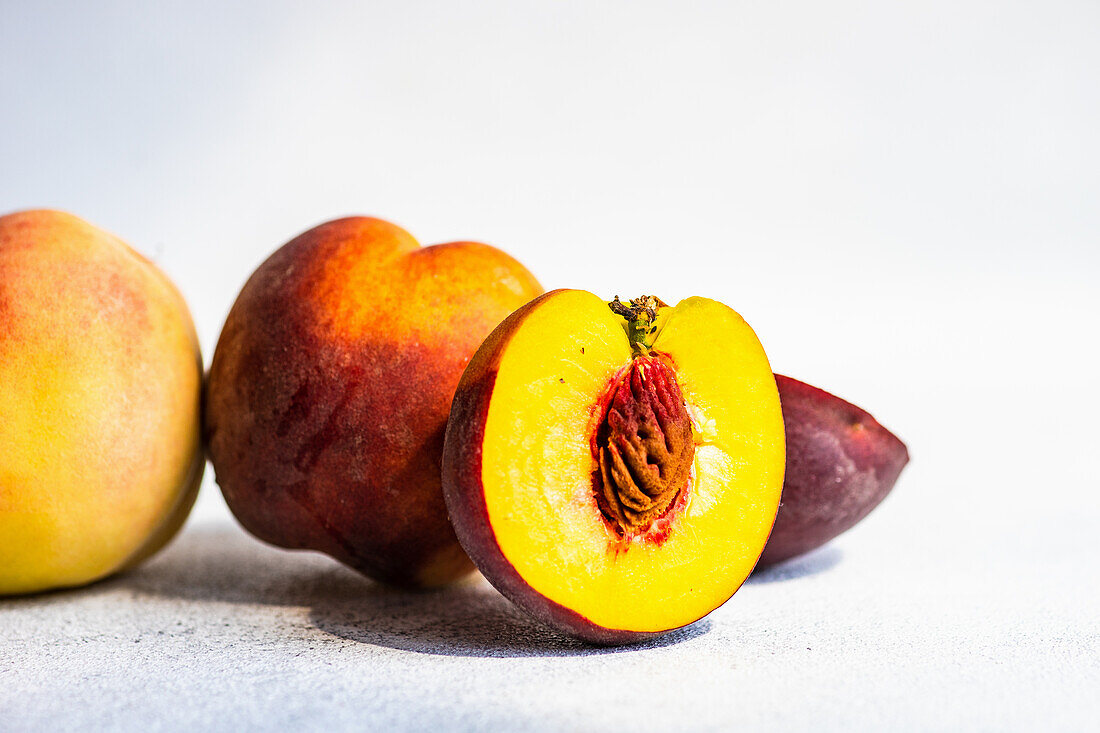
<point>538,465</point>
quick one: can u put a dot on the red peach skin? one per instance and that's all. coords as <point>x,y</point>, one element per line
<point>840,464</point>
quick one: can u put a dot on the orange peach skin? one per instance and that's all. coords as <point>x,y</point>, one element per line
<point>99,406</point>
<point>330,387</point>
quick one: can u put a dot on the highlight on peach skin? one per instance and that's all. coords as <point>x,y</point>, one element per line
<point>330,388</point>
<point>101,457</point>
<point>615,468</point>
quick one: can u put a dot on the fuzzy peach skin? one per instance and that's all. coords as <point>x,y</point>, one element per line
<point>99,407</point>
<point>841,463</point>
<point>330,387</point>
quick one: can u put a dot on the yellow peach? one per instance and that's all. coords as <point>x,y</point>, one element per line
<point>99,410</point>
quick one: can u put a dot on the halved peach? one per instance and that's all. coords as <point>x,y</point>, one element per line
<point>841,463</point>
<point>615,469</point>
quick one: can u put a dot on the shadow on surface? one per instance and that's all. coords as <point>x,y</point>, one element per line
<point>222,564</point>
<point>469,621</point>
<point>817,561</point>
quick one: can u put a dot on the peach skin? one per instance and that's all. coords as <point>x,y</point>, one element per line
<point>330,387</point>
<point>100,426</point>
<point>840,464</point>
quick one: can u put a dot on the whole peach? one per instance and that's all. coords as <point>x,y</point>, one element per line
<point>330,387</point>
<point>99,405</point>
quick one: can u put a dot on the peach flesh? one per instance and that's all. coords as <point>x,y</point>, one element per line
<point>519,462</point>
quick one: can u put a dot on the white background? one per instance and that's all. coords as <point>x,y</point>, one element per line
<point>902,199</point>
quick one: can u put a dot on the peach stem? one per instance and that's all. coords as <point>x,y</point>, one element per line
<point>640,314</point>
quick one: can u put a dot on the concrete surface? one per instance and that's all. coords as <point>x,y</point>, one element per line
<point>224,633</point>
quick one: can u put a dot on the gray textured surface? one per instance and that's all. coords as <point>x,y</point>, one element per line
<point>223,633</point>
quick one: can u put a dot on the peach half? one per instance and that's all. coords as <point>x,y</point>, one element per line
<point>841,463</point>
<point>615,468</point>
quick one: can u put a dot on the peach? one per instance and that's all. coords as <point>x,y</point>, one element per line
<point>615,468</point>
<point>100,425</point>
<point>330,388</point>
<point>840,464</point>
